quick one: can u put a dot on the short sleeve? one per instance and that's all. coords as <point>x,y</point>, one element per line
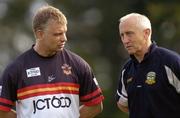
<point>172,67</point>
<point>7,89</point>
<point>90,92</point>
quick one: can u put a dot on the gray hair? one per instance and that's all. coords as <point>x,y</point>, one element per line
<point>141,19</point>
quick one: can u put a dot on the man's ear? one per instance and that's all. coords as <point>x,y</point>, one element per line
<point>39,34</point>
<point>147,33</point>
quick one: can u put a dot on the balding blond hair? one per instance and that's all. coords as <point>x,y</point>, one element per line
<point>46,13</point>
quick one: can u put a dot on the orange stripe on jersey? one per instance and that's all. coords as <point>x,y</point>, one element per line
<point>91,95</point>
<point>48,89</point>
<point>4,108</point>
<point>48,85</point>
<point>6,101</point>
<point>47,93</point>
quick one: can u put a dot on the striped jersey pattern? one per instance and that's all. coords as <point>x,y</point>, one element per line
<point>40,87</point>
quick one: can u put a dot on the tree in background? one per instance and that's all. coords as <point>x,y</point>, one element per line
<point>92,33</point>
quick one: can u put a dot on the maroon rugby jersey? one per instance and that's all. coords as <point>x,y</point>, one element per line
<point>42,87</point>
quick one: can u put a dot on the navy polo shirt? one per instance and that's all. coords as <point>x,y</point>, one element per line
<point>151,89</point>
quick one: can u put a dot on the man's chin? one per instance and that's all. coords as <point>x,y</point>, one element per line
<point>60,49</point>
<point>130,52</point>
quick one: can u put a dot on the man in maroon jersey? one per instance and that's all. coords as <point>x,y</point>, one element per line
<point>49,80</point>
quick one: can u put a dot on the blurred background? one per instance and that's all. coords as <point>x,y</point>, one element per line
<point>92,33</point>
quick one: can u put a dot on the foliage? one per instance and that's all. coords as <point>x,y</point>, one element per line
<point>92,33</point>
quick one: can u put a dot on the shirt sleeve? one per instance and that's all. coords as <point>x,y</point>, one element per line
<point>90,92</point>
<point>7,89</point>
<point>172,68</point>
<point>121,94</point>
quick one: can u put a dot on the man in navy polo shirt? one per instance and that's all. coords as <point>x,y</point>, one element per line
<point>149,83</point>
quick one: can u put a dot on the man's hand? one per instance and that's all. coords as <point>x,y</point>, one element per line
<point>90,111</point>
<point>10,114</point>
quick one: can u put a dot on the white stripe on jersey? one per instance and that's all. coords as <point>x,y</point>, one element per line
<point>123,95</point>
<point>123,90</point>
<point>54,106</point>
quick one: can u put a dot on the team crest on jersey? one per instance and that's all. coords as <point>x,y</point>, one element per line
<point>66,69</point>
<point>150,78</point>
<point>32,72</point>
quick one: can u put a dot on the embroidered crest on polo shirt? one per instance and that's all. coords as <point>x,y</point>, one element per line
<point>66,69</point>
<point>150,78</point>
<point>33,72</point>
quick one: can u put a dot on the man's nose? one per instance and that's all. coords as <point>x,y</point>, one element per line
<point>64,38</point>
<point>125,39</point>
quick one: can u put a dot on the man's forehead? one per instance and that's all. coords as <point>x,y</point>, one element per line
<point>130,20</point>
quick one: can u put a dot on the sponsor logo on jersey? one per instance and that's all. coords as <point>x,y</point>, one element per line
<point>66,69</point>
<point>51,78</point>
<point>49,103</point>
<point>150,78</point>
<point>0,90</point>
<point>32,72</point>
